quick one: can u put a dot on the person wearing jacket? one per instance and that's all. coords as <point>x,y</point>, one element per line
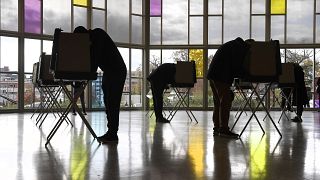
<point>225,66</point>
<point>106,56</point>
<point>159,80</point>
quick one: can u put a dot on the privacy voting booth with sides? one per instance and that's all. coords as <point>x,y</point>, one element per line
<point>71,62</point>
<point>262,64</point>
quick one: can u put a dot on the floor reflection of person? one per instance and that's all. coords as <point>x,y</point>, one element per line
<point>222,167</point>
<point>111,168</point>
<point>166,159</point>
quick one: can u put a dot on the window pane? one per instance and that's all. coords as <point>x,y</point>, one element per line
<point>137,6</point>
<point>172,56</point>
<point>31,95</point>
<point>118,20</point>
<point>9,15</point>
<point>155,30</point>
<point>318,29</point>
<point>278,6</point>
<point>80,2</point>
<point>236,11</point>
<point>196,7</point>
<point>32,15</point>
<point>47,47</point>
<point>154,60</point>
<point>136,63</point>
<point>98,4</point>
<point>155,7</point>
<point>98,19</point>
<point>197,56</point>
<point>56,14</point>
<point>215,30</point>
<point>136,90</point>
<point>136,30</point>
<point>258,28</point>
<point>97,93</point>
<point>300,21</point>
<point>125,55</point>
<point>277,28</point>
<point>9,91</point>
<point>196,30</point>
<point>125,101</point>
<point>211,53</point>
<point>80,17</point>
<point>215,7</point>
<point>196,94</point>
<point>9,54</point>
<point>258,7</point>
<point>32,52</point>
<point>175,22</point>
<point>318,6</point>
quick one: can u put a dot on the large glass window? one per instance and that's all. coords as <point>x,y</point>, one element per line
<point>32,52</point>
<point>236,11</point>
<point>56,14</point>
<point>8,73</point>
<point>175,25</point>
<point>9,15</point>
<point>300,21</point>
<point>118,20</point>
<point>9,54</point>
<point>32,16</point>
<point>79,17</point>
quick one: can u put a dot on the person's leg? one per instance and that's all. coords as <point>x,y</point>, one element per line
<point>216,108</point>
<point>73,109</point>
<point>157,96</point>
<point>112,89</point>
<point>226,97</point>
<point>83,105</point>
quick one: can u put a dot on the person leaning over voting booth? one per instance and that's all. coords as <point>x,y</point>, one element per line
<point>159,80</point>
<point>106,56</point>
<point>225,66</point>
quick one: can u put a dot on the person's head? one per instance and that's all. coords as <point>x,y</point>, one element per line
<point>80,29</point>
<point>249,41</point>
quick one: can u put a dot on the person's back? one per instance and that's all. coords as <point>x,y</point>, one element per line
<point>163,74</point>
<point>105,53</point>
<point>227,61</point>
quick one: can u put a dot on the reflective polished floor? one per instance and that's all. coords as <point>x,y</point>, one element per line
<point>150,151</point>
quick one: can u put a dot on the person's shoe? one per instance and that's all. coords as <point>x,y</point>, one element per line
<point>216,131</point>
<point>290,109</point>
<point>74,113</point>
<point>108,138</point>
<point>84,113</point>
<point>225,132</point>
<point>296,119</point>
<point>162,120</point>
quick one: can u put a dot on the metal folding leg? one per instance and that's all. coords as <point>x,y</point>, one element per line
<point>72,104</point>
<point>182,94</point>
<point>260,102</point>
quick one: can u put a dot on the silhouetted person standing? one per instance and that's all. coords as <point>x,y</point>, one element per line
<point>106,56</point>
<point>318,91</point>
<point>225,66</point>
<point>300,96</point>
<point>159,80</point>
<point>76,88</point>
